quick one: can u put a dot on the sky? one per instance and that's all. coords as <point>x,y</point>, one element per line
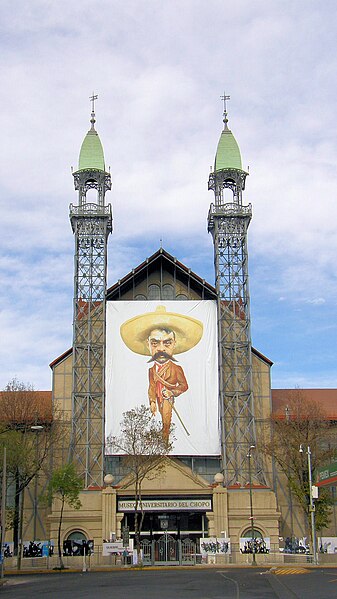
<point>159,68</point>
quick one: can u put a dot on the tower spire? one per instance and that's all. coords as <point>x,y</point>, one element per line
<point>228,222</point>
<point>91,222</point>
<point>92,100</point>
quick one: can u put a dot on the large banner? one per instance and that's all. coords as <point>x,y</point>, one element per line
<point>164,354</point>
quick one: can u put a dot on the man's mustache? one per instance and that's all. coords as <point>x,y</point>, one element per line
<point>161,354</point>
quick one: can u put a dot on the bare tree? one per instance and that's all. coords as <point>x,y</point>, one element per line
<point>302,422</point>
<point>144,450</point>
<point>27,430</point>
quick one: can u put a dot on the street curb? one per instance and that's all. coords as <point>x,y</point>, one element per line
<point>268,568</point>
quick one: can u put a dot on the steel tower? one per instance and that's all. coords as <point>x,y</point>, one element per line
<point>228,222</point>
<point>91,222</point>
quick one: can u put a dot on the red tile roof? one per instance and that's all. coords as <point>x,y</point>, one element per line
<point>26,407</point>
<point>326,398</point>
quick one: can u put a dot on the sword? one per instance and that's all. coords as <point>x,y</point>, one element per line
<point>181,422</point>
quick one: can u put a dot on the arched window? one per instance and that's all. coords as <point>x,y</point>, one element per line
<point>140,297</point>
<point>248,534</point>
<point>154,292</point>
<point>181,296</point>
<point>168,292</point>
<point>77,535</point>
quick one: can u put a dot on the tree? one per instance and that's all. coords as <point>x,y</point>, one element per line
<point>27,431</point>
<point>144,451</point>
<point>303,423</point>
<point>65,484</point>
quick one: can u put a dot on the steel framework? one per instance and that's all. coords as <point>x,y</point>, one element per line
<point>228,223</point>
<point>91,223</point>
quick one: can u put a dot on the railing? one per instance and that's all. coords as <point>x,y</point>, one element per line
<point>230,209</point>
<point>187,557</point>
<point>90,209</point>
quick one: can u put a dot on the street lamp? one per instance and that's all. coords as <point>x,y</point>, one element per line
<point>3,513</point>
<point>311,505</point>
<point>249,455</point>
<point>36,428</point>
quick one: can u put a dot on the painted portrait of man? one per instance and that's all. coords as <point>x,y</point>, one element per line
<point>163,354</point>
<point>162,335</point>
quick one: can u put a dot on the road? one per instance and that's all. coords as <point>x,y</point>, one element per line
<point>235,583</point>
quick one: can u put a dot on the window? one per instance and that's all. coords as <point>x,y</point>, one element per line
<point>154,292</point>
<point>248,534</point>
<point>168,292</point>
<point>77,535</point>
<point>140,297</point>
<point>181,296</point>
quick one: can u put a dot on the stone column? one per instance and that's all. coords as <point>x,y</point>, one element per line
<point>109,505</point>
<point>220,511</point>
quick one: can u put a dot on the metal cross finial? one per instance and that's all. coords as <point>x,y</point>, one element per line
<point>225,98</point>
<point>92,100</point>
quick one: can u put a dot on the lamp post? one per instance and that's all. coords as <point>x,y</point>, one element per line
<point>249,455</point>
<point>36,428</point>
<point>311,505</point>
<point>3,512</point>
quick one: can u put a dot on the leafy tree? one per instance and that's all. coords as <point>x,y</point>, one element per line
<point>303,423</point>
<point>27,431</point>
<point>65,485</point>
<point>144,451</point>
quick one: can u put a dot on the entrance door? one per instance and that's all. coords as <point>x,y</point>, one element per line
<point>166,550</point>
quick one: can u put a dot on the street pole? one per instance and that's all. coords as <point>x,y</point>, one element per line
<point>311,505</point>
<point>20,553</point>
<point>3,512</point>
<point>36,428</point>
<point>249,455</point>
<point>312,510</point>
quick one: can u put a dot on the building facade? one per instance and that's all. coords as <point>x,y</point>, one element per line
<point>204,490</point>
<point>212,384</point>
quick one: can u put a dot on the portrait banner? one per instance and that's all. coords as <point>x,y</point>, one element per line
<point>164,354</point>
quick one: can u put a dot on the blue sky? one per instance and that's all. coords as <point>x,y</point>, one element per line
<point>159,69</point>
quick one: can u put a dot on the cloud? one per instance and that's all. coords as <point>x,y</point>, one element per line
<point>159,70</point>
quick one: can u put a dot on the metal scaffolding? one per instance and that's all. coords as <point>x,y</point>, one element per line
<point>228,223</point>
<point>91,223</point>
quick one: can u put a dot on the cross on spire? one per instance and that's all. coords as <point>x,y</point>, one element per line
<point>225,98</point>
<point>92,100</point>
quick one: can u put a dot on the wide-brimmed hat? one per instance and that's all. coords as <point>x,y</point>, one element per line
<point>135,332</point>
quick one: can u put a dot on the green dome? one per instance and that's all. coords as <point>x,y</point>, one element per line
<point>91,154</point>
<point>228,153</point>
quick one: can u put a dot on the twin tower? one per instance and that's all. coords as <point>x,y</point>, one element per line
<point>228,222</point>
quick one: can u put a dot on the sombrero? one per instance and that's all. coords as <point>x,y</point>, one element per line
<point>135,331</point>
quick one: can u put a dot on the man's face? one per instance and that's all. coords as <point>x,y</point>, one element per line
<point>161,345</point>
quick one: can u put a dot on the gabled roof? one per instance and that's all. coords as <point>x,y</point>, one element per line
<point>161,258</point>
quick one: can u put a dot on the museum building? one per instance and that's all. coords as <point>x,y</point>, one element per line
<point>208,381</point>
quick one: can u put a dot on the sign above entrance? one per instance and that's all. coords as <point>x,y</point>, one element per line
<point>159,505</point>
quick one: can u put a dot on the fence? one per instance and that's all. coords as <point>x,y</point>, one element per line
<point>164,552</point>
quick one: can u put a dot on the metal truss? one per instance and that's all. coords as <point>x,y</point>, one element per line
<point>91,224</point>
<point>228,223</point>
